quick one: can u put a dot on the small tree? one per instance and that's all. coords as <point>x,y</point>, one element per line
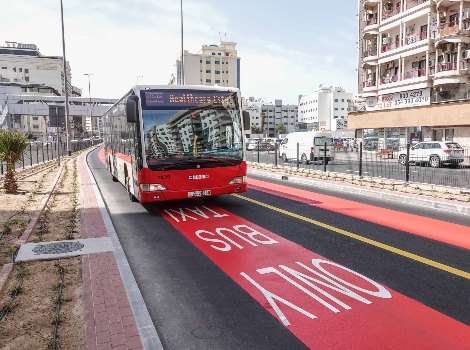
<point>12,145</point>
<point>281,129</point>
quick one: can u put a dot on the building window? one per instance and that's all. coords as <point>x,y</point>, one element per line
<point>342,100</point>
<point>217,62</point>
<point>217,81</point>
<point>208,70</point>
<point>217,72</point>
<point>219,54</point>
<point>208,62</point>
<point>14,69</point>
<point>213,54</point>
<point>26,78</point>
<point>336,100</point>
<point>35,118</point>
<point>4,67</point>
<point>20,70</point>
<point>208,81</point>
<point>35,126</point>
<point>200,61</point>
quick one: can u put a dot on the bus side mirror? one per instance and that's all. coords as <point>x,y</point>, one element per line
<point>246,120</point>
<point>131,109</point>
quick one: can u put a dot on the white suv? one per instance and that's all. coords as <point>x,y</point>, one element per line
<point>435,153</point>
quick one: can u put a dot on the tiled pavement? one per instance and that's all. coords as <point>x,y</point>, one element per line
<point>109,319</point>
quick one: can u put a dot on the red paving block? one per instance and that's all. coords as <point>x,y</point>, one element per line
<point>131,331</point>
<point>109,321</point>
<point>134,343</point>
<point>118,339</point>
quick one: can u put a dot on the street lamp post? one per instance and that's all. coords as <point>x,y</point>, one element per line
<point>89,94</point>
<point>65,82</point>
<point>182,53</point>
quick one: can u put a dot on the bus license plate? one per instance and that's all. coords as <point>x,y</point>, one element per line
<point>199,193</point>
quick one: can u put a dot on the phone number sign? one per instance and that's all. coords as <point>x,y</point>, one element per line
<point>413,98</point>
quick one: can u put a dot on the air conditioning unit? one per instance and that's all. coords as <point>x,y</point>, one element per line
<point>370,12</point>
<point>466,54</point>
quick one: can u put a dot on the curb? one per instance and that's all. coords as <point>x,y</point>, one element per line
<point>147,332</point>
<point>384,194</point>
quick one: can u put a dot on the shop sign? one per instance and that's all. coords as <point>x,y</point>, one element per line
<point>412,98</point>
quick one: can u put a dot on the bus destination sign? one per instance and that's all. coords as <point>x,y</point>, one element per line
<point>185,99</point>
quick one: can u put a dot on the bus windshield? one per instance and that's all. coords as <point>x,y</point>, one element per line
<point>186,129</point>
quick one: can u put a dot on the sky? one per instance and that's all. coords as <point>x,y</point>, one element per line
<point>287,48</point>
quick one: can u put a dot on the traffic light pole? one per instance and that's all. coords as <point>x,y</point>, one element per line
<point>67,132</point>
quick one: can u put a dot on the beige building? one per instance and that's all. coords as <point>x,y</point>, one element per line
<point>213,65</point>
<point>413,71</point>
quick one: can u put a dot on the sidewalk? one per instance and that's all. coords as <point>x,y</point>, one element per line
<point>115,315</point>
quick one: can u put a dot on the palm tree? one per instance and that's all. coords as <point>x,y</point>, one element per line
<point>12,145</point>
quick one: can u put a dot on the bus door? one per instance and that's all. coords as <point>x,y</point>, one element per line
<point>136,158</point>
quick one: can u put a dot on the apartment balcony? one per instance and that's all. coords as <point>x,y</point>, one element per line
<point>370,56</point>
<point>451,29</point>
<point>413,3</point>
<point>451,73</point>
<point>412,39</point>
<point>369,88</point>
<point>390,46</point>
<point>386,14</point>
<point>389,80</point>
<point>371,26</point>
<point>416,73</point>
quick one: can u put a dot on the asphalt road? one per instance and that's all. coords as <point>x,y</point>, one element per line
<point>347,163</point>
<point>220,291</point>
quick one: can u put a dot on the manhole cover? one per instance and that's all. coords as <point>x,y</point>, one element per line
<point>58,248</point>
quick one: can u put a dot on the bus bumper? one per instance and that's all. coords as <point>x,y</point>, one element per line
<point>160,196</point>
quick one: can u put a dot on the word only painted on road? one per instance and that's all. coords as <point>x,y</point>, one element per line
<point>324,304</point>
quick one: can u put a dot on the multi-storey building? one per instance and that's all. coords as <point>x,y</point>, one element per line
<point>23,63</point>
<point>213,65</point>
<point>277,113</point>
<point>253,106</point>
<point>325,109</point>
<point>413,68</point>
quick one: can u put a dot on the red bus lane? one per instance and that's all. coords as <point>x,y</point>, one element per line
<point>442,231</point>
<point>324,304</point>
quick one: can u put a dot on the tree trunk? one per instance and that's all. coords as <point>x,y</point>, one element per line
<point>10,182</point>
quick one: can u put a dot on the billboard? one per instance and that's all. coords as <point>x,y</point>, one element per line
<point>405,99</point>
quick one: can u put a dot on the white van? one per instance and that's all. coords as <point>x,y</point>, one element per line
<point>311,146</point>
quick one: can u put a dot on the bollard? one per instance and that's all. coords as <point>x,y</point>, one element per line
<point>360,159</point>
<point>47,151</point>
<point>276,148</point>
<point>42,147</point>
<point>407,164</point>
<point>324,158</point>
<point>257,147</point>
<point>30,155</point>
<point>298,159</point>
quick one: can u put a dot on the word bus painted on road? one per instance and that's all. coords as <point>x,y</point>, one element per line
<point>175,142</point>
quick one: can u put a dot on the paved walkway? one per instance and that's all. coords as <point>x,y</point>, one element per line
<point>109,319</point>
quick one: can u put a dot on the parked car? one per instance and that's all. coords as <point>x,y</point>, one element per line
<point>264,146</point>
<point>251,144</point>
<point>435,153</point>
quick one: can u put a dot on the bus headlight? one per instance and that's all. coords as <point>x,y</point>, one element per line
<point>238,180</point>
<point>152,187</point>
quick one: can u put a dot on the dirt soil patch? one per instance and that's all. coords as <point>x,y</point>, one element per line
<point>31,317</point>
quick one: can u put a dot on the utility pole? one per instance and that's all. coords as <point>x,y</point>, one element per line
<point>69,153</point>
<point>89,94</point>
<point>182,53</point>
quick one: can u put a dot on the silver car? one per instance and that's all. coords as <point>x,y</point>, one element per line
<point>435,153</point>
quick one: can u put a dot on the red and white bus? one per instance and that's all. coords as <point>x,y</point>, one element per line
<point>173,142</point>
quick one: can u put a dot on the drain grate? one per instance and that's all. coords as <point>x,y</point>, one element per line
<point>58,248</point>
